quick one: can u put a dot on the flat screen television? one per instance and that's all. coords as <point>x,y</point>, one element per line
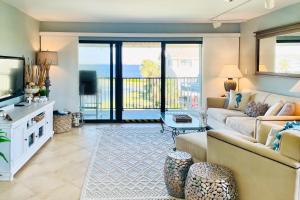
<point>88,82</point>
<point>11,77</point>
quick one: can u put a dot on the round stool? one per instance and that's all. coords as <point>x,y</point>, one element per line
<point>175,171</point>
<point>209,181</point>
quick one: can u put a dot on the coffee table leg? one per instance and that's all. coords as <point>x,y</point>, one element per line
<point>174,134</point>
<point>162,127</point>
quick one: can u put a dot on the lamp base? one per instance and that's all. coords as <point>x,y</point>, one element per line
<point>47,83</point>
<point>230,84</point>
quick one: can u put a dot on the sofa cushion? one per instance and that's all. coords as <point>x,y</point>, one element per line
<point>244,125</point>
<point>221,114</point>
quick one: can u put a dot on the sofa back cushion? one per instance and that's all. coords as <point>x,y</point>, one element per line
<point>257,96</point>
<point>271,99</point>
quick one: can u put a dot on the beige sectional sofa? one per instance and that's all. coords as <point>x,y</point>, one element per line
<point>236,122</point>
<point>238,142</point>
<point>260,172</point>
<point>222,118</point>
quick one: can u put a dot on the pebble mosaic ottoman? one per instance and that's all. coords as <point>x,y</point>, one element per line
<point>176,168</point>
<point>209,181</point>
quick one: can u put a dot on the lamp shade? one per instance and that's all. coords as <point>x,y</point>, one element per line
<point>47,57</point>
<point>296,87</point>
<point>231,71</point>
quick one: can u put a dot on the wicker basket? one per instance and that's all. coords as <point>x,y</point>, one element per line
<point>62,123</point>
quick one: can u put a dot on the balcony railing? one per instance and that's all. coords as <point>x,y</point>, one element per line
<point>145,93</point>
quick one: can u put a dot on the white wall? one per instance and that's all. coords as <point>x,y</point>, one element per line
<point>217,52</point>
<point>64,77</point>
<point>276,84</point>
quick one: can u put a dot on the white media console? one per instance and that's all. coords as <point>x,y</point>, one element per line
<point>30,128</point>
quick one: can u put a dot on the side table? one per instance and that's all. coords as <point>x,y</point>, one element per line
<point>175,171</point>
<point>209,181</point>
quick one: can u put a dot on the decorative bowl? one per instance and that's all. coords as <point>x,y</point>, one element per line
<point>32,90</point>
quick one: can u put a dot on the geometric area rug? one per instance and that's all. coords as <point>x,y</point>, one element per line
<point>127,164</point>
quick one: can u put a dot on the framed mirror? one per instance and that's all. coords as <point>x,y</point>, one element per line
<point>278,51</point>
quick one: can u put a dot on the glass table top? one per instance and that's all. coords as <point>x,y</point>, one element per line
<point>167,119</point>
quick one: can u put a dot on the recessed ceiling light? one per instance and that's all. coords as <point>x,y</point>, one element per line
<point>269,4</point>
<point>217,24</point>
<point>228,0</point>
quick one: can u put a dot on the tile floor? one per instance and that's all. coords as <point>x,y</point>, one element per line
<point>57,171</point>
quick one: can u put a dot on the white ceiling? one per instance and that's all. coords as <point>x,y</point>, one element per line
<point>146,11</point>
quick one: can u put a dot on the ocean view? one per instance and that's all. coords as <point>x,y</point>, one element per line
<point>103,70</point>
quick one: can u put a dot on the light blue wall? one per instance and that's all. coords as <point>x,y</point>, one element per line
<point>136,27</point>
<point>280,85</point>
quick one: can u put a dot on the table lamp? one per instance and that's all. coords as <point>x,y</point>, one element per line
<point>296,87</point>
<point>45,59</point>
<point>230,72</point>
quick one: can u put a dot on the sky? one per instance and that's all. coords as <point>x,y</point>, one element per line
<point>183,60</point>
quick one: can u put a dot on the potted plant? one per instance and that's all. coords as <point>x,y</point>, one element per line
<point>3,138</point>
<point>43,91</point>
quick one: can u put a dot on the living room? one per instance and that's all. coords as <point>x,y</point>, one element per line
<point>150,99</point>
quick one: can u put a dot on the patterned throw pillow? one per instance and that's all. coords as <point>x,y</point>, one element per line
<point>256,109</point>
<point>238,100</point>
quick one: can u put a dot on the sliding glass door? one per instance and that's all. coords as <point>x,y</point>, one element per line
<point>130,81</point>
<point>183,76</point>
<point>97,81</point>
<point>141,66</point>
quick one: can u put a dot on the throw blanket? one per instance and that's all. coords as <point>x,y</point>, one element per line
<point>288,125</point>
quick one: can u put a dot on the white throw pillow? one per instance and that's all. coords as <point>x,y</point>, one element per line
<point>238,100</point>
<point>274,110</point>
<point>287,110</point>
<point>271,138</point>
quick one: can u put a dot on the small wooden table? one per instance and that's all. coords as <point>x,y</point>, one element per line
<point>176,128</point>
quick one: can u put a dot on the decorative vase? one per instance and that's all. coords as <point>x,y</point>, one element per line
<point>230,84</point>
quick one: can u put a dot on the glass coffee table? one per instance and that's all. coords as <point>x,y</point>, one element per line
<point>177,128</point>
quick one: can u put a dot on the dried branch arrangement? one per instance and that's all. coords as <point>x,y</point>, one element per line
<point>35,75</point>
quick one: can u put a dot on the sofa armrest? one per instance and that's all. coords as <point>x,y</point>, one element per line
<point>290,144</point>
<point>255,148</point>
<point>215,102</point>
<point>256,168</point>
